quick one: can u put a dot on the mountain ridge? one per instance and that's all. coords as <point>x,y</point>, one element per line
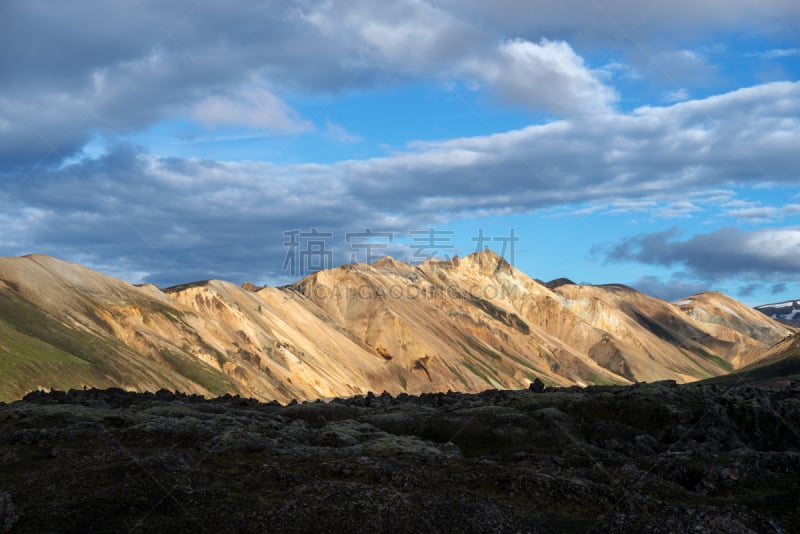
<point>787,312</point>
<point>466,324</point>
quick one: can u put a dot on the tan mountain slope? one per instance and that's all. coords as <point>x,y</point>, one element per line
<point>63,325</point>
<point>278,346</point>
<point>743,330</point>
<point>446,334</point>
<point>627,332</point>
<point>779,367</point>
<point>443,314</point>
<point>468,324</point>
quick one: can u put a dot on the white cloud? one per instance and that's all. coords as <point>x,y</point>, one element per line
<point>679,209</point>
<point>664,159</point>
<point>407,36</point>
<point>753,212</point>
<point>547,75</point>
<point>631,206</point>
<point>741,138</point>
<point>416,37</point>
<point>661,206</point>
<point>781,246</point>
<point>668,161</point>
<point>69,78</point>
<point>253,107</point>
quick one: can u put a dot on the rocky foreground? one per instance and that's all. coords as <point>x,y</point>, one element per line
<point>652,458</point>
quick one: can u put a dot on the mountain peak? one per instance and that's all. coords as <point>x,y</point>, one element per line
<point>486,254</point>
<point>188,285</point>
<point>558,282</point>
<point>388,262</point>
<point>251,287</point>
<point>488,262</point>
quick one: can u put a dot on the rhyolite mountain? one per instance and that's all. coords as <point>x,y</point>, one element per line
<point>468,324</point>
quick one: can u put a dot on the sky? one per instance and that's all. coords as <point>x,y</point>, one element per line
<point>650,143</point>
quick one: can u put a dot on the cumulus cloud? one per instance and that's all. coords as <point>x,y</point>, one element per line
<point>130,200</point>
<point>81,67</point>
<point>723,253</point>
<point>78,69</point>
<point>165,63</point>
<point>547,75</point>
<point>406,36</point>
<point>744,137</point>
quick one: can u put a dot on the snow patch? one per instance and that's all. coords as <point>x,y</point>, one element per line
<point>778,305</point>
<point>727,309</point>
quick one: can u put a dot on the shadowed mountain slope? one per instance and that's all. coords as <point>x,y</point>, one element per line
<point>779,367</point>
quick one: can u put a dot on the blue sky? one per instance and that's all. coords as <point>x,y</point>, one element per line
<point>647,143</point>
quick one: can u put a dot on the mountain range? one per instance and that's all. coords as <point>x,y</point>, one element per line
<point>786,312</point>
<point>467,324</point>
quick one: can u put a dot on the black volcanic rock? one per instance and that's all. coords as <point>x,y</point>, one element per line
<point>537,386</point>
<point>654,457</point>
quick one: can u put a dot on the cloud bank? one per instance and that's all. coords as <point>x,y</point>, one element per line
<point>724,253</point>
<point>76,70</point>
<point>131,200</point>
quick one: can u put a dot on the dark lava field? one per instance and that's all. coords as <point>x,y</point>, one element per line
<point>646,458</point>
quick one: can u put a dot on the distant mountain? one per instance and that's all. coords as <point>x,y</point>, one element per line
<point>787,312</point>
<point>552,284</point>
<point>468,324</point>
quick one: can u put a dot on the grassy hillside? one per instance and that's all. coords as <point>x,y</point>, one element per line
<point>37,350</point>
<point>42,364</point>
